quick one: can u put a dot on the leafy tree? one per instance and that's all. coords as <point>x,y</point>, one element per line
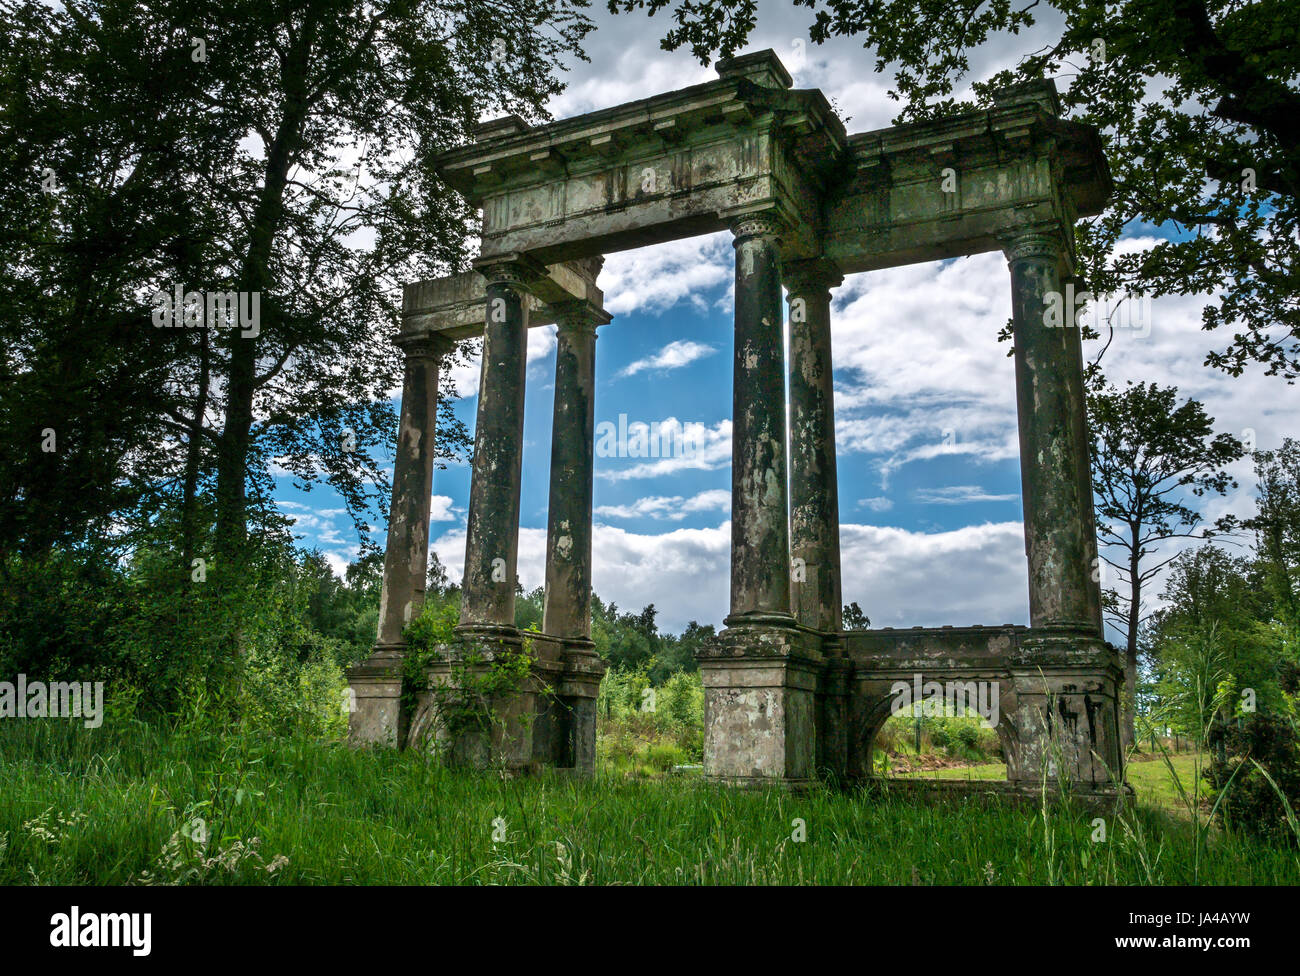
<point>1277,524</point>
<point>280,151</point>
<point>1219,604</point>
<point>626,640</point>
<point>107,165</point>
<point>529,608</point>
<point>854,618</point>
<point>1197,105</point>
<point>1151,456</point>
<point>677,651</point>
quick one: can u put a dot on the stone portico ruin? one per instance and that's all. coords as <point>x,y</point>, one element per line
<point>789,694</point>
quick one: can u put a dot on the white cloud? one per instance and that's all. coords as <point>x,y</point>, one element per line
<point>681,352</point>
<point>683,572</point>
<point>712,451</point>
<point>896,575</point>
<point>893,574</point>
<point>653,279</point>
<point>877,504</point>
<point>959,495</point>
<point>442,510</point>
<point>672,508</point>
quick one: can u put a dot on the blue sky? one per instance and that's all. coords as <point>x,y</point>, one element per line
<point>926,429</point>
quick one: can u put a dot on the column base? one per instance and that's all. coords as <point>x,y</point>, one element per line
<point>476,710</point>
<point>1065,714</point>
<point>518,720</point>
<point>375,699</point>
<point>760,691</point>
<point>579,686</point>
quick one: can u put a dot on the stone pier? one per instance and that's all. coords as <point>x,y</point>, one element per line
<point>760,680</point>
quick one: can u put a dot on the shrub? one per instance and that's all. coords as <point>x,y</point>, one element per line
<point>1252,803</point>
<point>968,735</point>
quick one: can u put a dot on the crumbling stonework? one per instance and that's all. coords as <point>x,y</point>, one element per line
<point>789,695</point>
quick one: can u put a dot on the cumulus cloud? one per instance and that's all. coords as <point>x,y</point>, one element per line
<point>710,448</point>
<point>654,279</point>
<point>895,575</point>
<point>442,510</point>
<point>673,508</point>
<point>675,355</point>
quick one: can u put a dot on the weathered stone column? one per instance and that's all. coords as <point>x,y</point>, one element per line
<point>566,614</point>
<point>376,685</point>
<point>760,676</point>
<point>760,535</point>
<point>1054,447</point>
<point>814,499</point>
<point>492,531</point>
<point>814,492</point>
<point>567,610</point>
<point>1066,678</point>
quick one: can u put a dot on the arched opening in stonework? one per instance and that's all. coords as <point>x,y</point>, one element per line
<point>940,736</point>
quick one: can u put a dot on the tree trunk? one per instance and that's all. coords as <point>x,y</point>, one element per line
<point>236,438</point>
<point>193,461</point>
<point>1128,726</point>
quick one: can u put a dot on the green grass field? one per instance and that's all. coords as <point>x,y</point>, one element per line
<point>1152,779</point>
<point>134,805</point>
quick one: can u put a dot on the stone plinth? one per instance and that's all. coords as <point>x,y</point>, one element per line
<point>1066,716</point>
<point>374,701</point>
<point>760,689</point>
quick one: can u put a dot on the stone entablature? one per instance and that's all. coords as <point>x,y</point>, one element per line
<point>452,307</point>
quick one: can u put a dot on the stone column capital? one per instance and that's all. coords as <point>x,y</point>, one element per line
<point>578,317</point>
<point>802,277</point>
<point>424,346</point>
<point>1035,242</point>
<point>517,271</point>
<point>762,224</point>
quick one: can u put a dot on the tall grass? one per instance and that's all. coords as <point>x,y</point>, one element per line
<point>132,803</point>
